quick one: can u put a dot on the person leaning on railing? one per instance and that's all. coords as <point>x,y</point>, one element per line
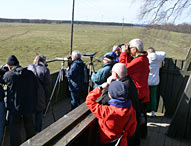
<point>138,69</point>
<point>116,120</point>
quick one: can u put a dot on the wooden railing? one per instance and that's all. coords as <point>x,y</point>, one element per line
<point>174,75</point>
<point>67,130</point>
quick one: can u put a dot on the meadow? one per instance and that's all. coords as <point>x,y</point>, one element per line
<point>26,40</point>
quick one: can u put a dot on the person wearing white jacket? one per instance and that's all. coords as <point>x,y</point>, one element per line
<point>155,60</point>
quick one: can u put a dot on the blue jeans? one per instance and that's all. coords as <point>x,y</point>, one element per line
<point>2,120</point>
<point>75,98</point>
<point>38,121</point>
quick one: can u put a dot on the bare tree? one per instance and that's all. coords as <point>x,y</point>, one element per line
<point>161,11</point>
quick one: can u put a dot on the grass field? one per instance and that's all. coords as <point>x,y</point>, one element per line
<point>53,40</point>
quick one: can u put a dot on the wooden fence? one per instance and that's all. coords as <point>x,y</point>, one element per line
<point>174,75</point>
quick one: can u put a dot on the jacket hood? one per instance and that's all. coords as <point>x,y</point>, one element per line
<point>79,61</point>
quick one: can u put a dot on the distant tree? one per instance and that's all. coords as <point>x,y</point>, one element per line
<point>160,11</point>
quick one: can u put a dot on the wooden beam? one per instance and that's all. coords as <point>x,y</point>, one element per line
<point>59,128</point>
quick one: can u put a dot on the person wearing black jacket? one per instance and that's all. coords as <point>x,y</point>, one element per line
<point>21,100</point>
<point>2,113</point>
<point>119,72</point>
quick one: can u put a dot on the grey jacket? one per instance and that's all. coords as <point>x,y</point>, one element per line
<point>44,78</point>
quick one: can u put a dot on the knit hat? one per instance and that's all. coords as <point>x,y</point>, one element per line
<point>12,61</point>
<point>118,90</point>
<point>108,56</point>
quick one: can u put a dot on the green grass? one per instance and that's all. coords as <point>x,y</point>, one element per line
<point>53,40</point>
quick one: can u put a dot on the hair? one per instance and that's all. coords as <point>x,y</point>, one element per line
<point>120,69</point>
<point>151,49</point>
<point>137,43</point>
<point>76,54</point>
<point>39,58</point>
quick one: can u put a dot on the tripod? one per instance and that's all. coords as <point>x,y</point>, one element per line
<point>91,69</point>
<point>58,80</point>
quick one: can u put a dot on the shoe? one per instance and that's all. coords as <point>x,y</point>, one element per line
<point>153,114</point>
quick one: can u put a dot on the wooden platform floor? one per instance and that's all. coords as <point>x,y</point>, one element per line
<point>157,129</point>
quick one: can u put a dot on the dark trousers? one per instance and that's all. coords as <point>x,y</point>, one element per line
<point>143,127</point>
<point>15,121</point>
<point>38,121</point>
<point>75,98</point>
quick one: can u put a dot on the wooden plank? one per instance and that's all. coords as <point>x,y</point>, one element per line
<point>165,122</point>
<point>185,142</point>
<point>176,142</point>
<point>76,131</point>
<point>152,137</point>
<point>57,128</point>
<point>167,141</point>
<point>179,64</point>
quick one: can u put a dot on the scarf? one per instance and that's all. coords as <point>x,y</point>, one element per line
<point>120,103</point>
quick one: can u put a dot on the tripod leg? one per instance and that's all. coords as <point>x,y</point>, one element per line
<point>93,70</point>
<point>50,99</point>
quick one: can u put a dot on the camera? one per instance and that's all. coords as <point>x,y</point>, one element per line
<point>3,69</point>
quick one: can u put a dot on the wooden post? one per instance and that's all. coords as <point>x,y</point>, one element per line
<point>187,61</point>
<point>180,124</point>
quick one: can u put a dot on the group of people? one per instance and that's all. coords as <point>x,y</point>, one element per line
<point>127,82</point>
<point>27,90</point>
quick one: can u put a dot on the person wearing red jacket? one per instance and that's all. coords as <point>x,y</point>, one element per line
<point>116,119</point>
<point>138,69</point>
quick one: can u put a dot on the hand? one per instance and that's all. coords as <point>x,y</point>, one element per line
<point>68,68</point>
<point>115,48</point>
<point>110,79</point>
<point>125,48</point>
<point>104,85</point>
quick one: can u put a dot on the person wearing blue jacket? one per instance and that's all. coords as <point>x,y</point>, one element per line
<point>102,74</point>
<point>74,75</point>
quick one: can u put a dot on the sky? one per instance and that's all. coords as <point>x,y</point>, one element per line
<point>85,10</point>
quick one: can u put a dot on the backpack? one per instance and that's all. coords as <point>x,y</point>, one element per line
<point>26,91</point>
<point>41,98</point>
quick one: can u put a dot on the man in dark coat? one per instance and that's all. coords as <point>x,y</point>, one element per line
<point>21,100</point>
<point>74,75</point>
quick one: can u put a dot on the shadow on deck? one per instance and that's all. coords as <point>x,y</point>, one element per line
<point>157,129</point>
<point>79,131</point>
